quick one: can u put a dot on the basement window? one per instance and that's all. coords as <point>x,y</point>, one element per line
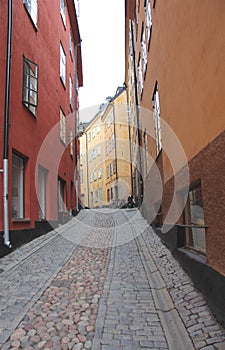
<point>30,85</point>
<point>194,220</point>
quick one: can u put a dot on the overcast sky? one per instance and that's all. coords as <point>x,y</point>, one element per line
<point>101,24</point>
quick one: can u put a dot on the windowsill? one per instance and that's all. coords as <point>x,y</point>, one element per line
<point>194,254</point>
<point>21,220</point>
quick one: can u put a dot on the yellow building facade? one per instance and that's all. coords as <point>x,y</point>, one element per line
<point>105,156</point>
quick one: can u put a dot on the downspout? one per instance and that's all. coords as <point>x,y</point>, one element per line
<point>137,114</point>
<point>116,161</point>
<point>6,128</point>
<point>76,124</point>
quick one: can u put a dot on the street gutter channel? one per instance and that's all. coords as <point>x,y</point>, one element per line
<point>175,331</point>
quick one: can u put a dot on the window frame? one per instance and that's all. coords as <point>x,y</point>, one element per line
<point>33,13</point>
<point>63,11</point>
<point>21,190</point>
<point>62,65</point>
<point>28,88</point>
<point>62,127</point>
<point>157,119</point>
<point>71,91</point>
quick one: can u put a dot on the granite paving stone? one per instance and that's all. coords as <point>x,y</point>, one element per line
<point>103,281</point>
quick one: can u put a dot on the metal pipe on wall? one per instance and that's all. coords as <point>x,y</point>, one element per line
<point>6,128</point>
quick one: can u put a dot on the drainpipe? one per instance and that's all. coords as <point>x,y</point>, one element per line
<point>6,128</point>
<point>141,189</point>
<point>76,123</point>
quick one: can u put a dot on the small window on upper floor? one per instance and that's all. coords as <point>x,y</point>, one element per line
<point>62,65</point>
<point>157,119</point>
<point>32,8</point>
<point>71,92</point>
<point>63,11</point>
<point>30,85</point>
<point>71,42</point>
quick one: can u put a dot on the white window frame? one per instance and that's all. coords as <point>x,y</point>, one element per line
<point>143,52</point>
<point>62,127</point>
<point>71,91</point>
<point>42,195</point>
<point>62,65</point>
<point>71,143</point>
<point>148,20</point>
<point>71,42</point>
<point>140,76</point>
<point>157,120</point>
<point>63,11</point>
<point>18,182</point>
<point>32,8</point>
<point>99,173</point>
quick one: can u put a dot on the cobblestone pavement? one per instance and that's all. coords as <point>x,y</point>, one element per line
<point>104,281</point>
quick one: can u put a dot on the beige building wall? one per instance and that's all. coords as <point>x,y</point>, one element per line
<point>105,166</point>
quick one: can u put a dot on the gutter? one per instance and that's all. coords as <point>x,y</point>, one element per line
<point>6,128</point>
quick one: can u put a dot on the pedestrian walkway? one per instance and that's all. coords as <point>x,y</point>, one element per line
<point>104,281</point>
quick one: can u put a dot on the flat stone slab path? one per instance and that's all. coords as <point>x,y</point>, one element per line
<point>104,281</point>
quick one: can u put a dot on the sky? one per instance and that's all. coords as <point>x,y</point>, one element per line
<point>102,30</point>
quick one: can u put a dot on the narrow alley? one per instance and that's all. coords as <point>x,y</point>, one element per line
<point>104,281</point>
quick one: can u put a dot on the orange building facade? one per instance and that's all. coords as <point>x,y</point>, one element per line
<point>175,73</point>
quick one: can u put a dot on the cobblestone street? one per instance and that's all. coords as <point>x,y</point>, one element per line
<point>104,281</point>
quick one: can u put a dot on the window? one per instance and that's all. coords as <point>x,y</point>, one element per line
<point>71,91</point>
<point>114,166</point>
<point>42,177</point>
<point>113,140</point>
<point>148,20</point>
<point>81,150</point>
<point>61,195</point>
<point>89,136</point>
<point>110,169</point>
<point>95,175</point>
<point>62,65</point>
<point>143,51</point>
<point>93,133</point>
<point>71,42</point>
<point>140,75</point>
<point>62,126</point>
<point>99,150</point>
<point>32,8</point>
<point>63,11</point>
<point>71,143</point>
<point>157,119</point>
<point>30,85</point>
<point>108,195</point>
<point>194,220</point>
<point>90,177</point>
<point>18,164</point>
<point>94,153</point>
<point>98,129</point>
<point>99,173</point>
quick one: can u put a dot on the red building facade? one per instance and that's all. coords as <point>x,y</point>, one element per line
<point>46,72</point>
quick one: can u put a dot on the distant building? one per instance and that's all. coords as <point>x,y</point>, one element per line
<point>41,150</point>
<point>175,75</point>
<point>105,156</point>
